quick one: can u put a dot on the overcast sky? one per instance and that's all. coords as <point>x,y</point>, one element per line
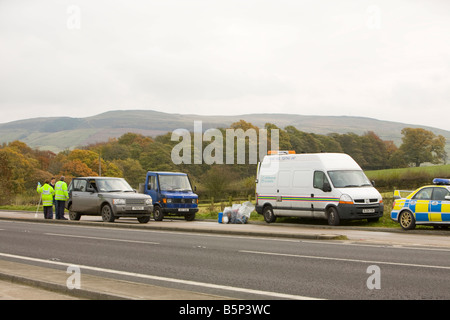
<point>388,60</point>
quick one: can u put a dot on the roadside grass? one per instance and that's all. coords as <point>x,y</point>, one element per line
<point>31,208</point>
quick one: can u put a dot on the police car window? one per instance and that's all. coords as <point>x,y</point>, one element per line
<point>424,194</point>
<point>440,193</point>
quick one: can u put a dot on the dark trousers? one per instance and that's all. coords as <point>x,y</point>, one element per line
<point>48,212</point>
<point>59,209</point>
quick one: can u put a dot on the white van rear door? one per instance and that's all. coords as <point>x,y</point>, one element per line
<point>283,190</point>
<point>300,193</point>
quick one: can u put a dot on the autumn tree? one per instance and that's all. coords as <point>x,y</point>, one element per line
<point>91,160</point>
<point>420,145</point>
<point>17,168</point>
<point>76,168</point>
<point>132,171</point>
<point>5,178</point>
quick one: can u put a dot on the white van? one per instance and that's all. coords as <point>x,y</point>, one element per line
<point>328,186</point>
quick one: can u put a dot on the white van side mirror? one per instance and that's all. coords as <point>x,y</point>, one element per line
<point>326,187</point>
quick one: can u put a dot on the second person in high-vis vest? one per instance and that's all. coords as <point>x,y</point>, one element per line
<point>61,195</point>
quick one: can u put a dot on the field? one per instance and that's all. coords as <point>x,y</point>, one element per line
<point>407,178</point>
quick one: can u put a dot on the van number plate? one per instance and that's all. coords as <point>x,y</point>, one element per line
<point>368,211</point>
<point>137,208</point>
<point>183,209</point>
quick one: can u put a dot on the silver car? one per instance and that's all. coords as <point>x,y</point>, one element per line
<point>109,197</point>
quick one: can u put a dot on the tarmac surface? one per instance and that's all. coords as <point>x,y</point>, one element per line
<point>20,281</point>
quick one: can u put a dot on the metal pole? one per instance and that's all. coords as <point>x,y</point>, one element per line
<point>40,199</point>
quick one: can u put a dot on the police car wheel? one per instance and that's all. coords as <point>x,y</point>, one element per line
<point>268,214</point>
<point>407,221</point>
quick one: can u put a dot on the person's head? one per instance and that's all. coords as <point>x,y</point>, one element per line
<point>63,178</point>
<point>46,181</point>
<point>52,180</point>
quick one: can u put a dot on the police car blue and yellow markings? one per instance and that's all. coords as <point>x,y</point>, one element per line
<point>425,210</point>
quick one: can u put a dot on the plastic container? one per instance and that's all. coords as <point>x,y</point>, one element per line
<point>220,217</point>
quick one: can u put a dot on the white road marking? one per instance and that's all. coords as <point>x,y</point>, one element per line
<point>380,245</point>
<point>173,280</point>
<point>98,238</point>
<point>346,260</point>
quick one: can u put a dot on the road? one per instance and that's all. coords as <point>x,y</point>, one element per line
<point>234,266</point>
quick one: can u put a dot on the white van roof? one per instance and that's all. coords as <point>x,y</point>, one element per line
<point>331,161</point>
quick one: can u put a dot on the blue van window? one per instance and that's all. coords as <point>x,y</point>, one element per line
<point>151,183</point>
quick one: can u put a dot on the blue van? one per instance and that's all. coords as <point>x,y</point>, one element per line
<point>172,195</point>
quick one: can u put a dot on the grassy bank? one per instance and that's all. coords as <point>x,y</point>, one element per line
<point>407,178</point>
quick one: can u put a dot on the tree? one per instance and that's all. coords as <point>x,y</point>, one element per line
<point>132,171</point>
<point>77,168</point>
<point>218,179</point>
<point>156,157</point>
<point>16,169</point>
<point>375,151</point>
<point>284,141</point>
<point>420,145</point>
<point>5,178</point>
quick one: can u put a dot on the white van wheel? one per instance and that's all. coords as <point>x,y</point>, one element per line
<point>268,214</point>
<point>333,217</point>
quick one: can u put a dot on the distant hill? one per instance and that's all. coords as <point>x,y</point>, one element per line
<point>60,133</point>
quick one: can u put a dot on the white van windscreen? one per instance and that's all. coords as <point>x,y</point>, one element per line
<point>349,179</point>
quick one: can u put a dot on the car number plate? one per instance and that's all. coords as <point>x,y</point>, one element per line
<point>368,210</point>
<point>183,209</point>
<point>137,208</point>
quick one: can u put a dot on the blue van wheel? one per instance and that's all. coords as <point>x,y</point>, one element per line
<point>158,214</point>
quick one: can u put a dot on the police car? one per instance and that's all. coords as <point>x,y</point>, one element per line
<point>428,205</point>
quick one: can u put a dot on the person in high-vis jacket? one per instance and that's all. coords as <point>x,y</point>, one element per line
<point>61,195</point>
<point>47,193</point>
